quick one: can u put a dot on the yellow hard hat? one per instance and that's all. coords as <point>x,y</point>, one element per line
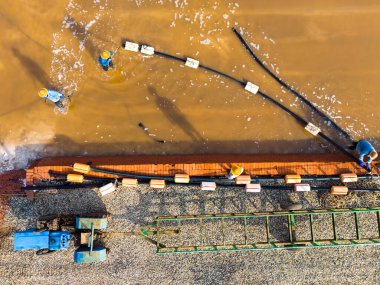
<point>105,54</point>
<point>236,170</point>
<point>43,92</point>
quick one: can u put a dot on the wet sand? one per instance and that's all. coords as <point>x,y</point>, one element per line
<point>327,49</point>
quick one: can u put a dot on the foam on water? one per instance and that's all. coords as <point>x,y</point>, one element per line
<point>67,67</point>
<point>16,154</point>
<point>66,75</point>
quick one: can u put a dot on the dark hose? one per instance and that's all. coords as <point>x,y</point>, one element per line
<point>264,187</point>
<point>291,89</point>
<point>218,179</point>
<point>265,96</point>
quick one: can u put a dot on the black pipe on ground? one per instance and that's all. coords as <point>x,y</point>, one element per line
<point>278,104</point>
<point>207,178</point>
<point>325,117</point>
<point>264,187</point>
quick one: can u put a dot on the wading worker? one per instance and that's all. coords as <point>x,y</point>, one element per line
<point>105,59</point>
<point>364,148</point>
<point>53,96</point>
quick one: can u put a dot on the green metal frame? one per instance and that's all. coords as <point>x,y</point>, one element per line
<point>156,229</point>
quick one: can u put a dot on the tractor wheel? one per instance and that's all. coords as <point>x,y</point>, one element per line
<point>6,242</point>
<point>51,222</point>
<point>69,229</point>
<point>42,229</point>
<point>47,218</point>
<point>99,215</point>
<point>294,207</point>
<point>44,251</point>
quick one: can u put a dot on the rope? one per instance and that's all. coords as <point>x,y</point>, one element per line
<point>291,89</point>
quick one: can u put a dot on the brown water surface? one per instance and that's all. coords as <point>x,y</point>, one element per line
<point>326,49</point>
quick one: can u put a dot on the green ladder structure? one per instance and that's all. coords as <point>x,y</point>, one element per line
<point>232,232</point>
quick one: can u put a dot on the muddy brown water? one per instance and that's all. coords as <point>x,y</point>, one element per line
<point>326,49</point>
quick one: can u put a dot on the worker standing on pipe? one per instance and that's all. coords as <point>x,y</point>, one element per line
<point>105,59</point>
<point>364,148</point>
<point>53,96</point>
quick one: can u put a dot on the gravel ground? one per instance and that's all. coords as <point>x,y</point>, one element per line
<point>132,260</point>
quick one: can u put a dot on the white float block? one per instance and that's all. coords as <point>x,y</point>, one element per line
<point>314,130</point>
<point>293,179</point>
<point>250,87</point>
<point>147,50</point>
<point>302,187</point>
<point>348,177</point>
<point>157,183</point>
<point>81,167</point>
<point>182,178</point>
<point>339,190</point>
<point>129,182</point>
<point>131,46</point>
<point>106,189</point>
<point>208,186</point>
<point>243,179</point>
<point>253,188</point>
<point>191,62</point>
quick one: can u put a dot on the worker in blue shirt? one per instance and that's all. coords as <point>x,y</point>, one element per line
<point>365,149</point>
<point>53,96</point>
<point>105,59</point>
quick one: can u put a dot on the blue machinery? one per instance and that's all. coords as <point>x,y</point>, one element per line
<point>46,240</point>
<point>299,229</point>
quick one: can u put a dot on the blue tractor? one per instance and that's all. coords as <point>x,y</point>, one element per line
<point>59,233</point>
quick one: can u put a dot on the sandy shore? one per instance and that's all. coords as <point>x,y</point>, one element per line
<point>132,260</point>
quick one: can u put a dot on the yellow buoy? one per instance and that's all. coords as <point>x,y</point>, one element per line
<point>81,167</point>
<point>76,178</point>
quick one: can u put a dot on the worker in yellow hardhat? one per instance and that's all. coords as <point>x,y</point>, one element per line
<point>105,59</point>
<point>235,171</point>
<point>53,96</point>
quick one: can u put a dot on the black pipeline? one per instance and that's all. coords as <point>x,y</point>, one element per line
<point>265,96</point>
<point>81,186</point>
<point>197,179</point>
<point>290,88</point>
